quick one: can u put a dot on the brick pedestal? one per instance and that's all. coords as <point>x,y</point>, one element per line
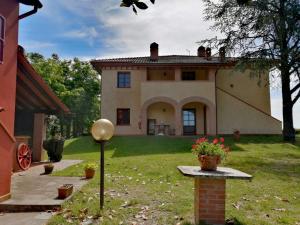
<point>210,201</point>
<point>210,192</point>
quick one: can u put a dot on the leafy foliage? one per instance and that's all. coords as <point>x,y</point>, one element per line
<point>264,33</point>
<point>77,85</point>
<point>215,148</point>
<point>134,4</point>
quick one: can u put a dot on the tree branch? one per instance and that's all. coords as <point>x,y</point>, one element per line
<point>296,98</point>
<point>295,88</point>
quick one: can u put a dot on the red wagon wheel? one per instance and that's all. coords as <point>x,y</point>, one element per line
<point>24,156</point>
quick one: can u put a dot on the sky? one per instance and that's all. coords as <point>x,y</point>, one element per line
<point>90,29</point>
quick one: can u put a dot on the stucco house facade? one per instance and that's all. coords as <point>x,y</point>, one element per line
<point>183,95</point>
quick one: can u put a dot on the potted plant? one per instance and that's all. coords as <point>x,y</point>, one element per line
<point>48,168</point>
<point>90,169</point>
<point>236,135</point>
<point>54,146</point>
<point>210,154</point>
<point>65,191</point>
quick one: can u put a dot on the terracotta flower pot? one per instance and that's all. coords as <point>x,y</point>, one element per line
<point>209,163</point>
<point>65,191</point>
<point>236,136</point>
<point>89,173</point>
<point>48,169</point>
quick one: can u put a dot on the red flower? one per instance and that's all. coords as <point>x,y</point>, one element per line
<point>222,146</point>
<point>215,141</point>
<point>201,140</point>
<point>222,140</point>
<point>194,146</point>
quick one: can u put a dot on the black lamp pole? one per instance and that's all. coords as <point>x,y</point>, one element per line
<point>102,143</point>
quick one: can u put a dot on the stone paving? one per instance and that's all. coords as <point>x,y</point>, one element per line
<point>36,218</point>
<point>34,192</point>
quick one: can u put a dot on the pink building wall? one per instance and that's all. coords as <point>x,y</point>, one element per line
<point>8,72</point>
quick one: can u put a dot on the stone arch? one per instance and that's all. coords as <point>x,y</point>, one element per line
<point>210,110</point>
<point>149,102</point>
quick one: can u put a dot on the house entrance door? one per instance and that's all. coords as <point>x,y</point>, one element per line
<point>189,121</point>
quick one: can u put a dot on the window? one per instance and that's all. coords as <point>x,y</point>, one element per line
<point>2,36</point>
<point>123,80</point>
<point>188,76</point>
<point>123,116</point>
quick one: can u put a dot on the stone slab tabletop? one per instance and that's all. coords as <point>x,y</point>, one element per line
<point>221,173</point>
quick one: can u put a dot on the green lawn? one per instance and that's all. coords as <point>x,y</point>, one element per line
<point>144,186</point>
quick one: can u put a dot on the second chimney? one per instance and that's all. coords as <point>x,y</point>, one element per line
<point>222,53</point>
<point>201,51</point>
<point>154,51</point>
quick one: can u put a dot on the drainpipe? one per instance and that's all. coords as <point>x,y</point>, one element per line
<point>36,6</point>
<point>34,11</point>
<point>216,99</point>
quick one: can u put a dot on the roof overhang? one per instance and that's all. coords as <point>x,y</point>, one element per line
<point>33,94</point>
<point>98,65</point>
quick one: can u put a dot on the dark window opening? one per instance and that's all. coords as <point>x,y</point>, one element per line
<point>123,80</point>
<point>2,37</point>
<point>123,116</point>
<point>188,76</point>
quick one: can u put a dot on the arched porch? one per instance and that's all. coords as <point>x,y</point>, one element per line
<point>190,116</point>
<point>198,116</point>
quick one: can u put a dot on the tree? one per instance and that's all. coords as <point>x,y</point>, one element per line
<point>134,4</point>
<point>263,32</point>
<point>77,85</point>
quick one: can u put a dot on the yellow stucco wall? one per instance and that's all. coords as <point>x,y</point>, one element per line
<point>113,98</point>
<point>236,115</point>
<point>177,90</point>
<point>245,86</point>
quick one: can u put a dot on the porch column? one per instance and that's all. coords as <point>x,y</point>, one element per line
<point>178,121</point>
<point>177,74</point>
<point>39,133</point>
<point>211,120</point>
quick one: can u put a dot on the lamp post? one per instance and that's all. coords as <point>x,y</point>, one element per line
<point>102,130</point>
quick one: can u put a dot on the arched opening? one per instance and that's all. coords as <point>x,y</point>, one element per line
<point>198,116</point>
<point>194,119</point>
<point>161,119</point>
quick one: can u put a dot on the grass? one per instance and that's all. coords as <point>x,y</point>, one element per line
<point>144,186</point>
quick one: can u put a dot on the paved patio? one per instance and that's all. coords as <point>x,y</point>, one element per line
<point>36,218</point>
<point>34,192</point>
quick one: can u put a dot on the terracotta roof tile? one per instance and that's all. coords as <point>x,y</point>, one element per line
<point>168,59</point>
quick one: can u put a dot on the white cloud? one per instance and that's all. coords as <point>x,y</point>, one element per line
<point>88,34</point>
<point>32,46</point>
<point>175,24</point>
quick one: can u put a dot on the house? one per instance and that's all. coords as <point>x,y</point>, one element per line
<point>25,99</point>
<point>183,95</point>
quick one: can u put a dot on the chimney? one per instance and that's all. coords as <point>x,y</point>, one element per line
<point>208,53</point>
<point>201,51</point>
<point>222,53</point>
<point>154,51</point>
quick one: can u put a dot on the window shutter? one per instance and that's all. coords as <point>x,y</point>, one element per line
<point>2,37</point>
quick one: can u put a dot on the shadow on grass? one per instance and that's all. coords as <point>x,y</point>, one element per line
<point>80,145</point>
<point>149,145</point>
<point>283,169</point>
